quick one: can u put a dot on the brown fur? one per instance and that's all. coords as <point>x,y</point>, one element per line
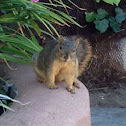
<point>84,61</point>
<point>51,67</point>
<point>84,52</point>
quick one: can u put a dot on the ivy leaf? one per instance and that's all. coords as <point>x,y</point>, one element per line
<point>118,10</point>
<point>101,25</point>
<point>98,1</point>
<point>111,19</point>
<point>109,1</point>
<point>90,16</point>
<point>116,2</point>
<point>120,17</point>
<point>101,13</point>
<point>114,25</point>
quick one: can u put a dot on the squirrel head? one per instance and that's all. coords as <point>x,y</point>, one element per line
<point>67,49</point>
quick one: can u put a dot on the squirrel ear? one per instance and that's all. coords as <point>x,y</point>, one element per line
<point>77,42</point>
<point>60,39</point>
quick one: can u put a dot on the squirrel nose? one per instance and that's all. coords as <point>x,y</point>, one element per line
<point>65,57</point>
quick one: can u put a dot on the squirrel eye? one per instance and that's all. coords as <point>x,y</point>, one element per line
<point>60,47</point>
<point>74,50</point>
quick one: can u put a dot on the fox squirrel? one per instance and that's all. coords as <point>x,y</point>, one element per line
<point>62,60</point>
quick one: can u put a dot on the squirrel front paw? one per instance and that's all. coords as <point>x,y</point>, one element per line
<point>41,81</point>
<point>52,86</point>
<point>71,90</point>
<point>76,84</point>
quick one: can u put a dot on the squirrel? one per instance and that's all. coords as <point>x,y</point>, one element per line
<point>62,60</point>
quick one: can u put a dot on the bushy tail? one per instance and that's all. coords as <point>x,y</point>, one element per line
<point>35,59</point>
<point>84,54</point>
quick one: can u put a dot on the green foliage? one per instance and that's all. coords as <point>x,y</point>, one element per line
<point>101,25</point>
<point>114,24</point>
<point>18,48</point>
<point>25,14</point>
<point>97,1</point>
<point>120,16</point>
<point>112,2</point>
<point>90,16</point>
<point>101,14</point>
<point>103,20</point>
<point>118,10</point>
<point>3,101</point>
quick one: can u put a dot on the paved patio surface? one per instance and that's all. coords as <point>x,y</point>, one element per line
<point>108,116</point>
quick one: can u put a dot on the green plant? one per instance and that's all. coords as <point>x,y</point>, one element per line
<point>102,19</point>
<point>27,13</point>
<point>3,102</point>
<point>17,47</point>
<point>24,14</point>
<point>112,2</point>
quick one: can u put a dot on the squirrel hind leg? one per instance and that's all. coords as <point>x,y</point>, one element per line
<point>41,80</point>
<point>69,82</point>
<point>40,74</point>
<point>71,90</point>
<point>76,84</point>
<point>52,86</point>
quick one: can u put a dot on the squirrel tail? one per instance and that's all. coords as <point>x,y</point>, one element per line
<point>35,59</point>
<point>84,54</point>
